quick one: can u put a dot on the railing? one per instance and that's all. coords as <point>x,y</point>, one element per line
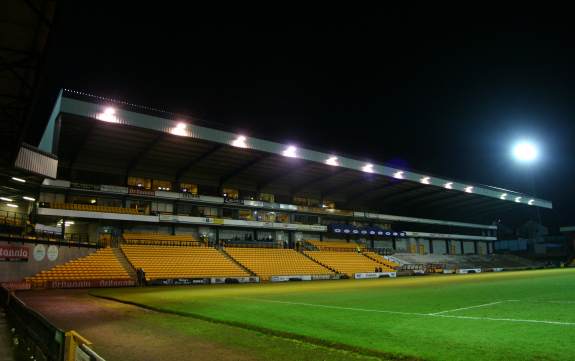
<point>250,244</point>
<point>46,237</point>
<point>155,242</point>
<point>36,337</point>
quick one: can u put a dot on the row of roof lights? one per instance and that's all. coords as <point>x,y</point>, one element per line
<point>109,115</point>
<point>6,199</point>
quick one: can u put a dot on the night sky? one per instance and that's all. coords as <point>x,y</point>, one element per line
<point>447,100</point>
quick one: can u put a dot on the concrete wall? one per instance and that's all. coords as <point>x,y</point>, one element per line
<point>16,271</point>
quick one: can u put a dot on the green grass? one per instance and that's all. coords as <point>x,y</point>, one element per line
<point>527,315</point>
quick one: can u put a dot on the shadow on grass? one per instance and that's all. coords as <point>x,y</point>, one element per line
<point>388,356</point>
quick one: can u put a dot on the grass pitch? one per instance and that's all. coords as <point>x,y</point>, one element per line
<point>528,315</point>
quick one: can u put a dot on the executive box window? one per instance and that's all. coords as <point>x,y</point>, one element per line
<point>189,188</point>
<point>138,182</point>
<point>305,219</point>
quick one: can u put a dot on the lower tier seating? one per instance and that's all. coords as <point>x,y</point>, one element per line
<point>379,258</point>
<point>168,262</point>
<point>469,261</point>
<point>347,263</point>
<point>267,262</point>
<point>100,265</point>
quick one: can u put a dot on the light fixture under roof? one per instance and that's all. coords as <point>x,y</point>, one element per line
<point>398,174</point>
<point>290,152</point>
<point>368,168</point>
<point>12,205</point>
<point>448,185</point>
<point>518,199</point>
<point>179,129</point>
<point>31,199</point>
<point>108,115</point>
<point>531,201</point>
<point>240,142</point>
<point>503,196</point>
<point>5,199</point>
<point>469,189</point>
<point>425,180</point>
<point>19,179</point>
<point>332,161</point>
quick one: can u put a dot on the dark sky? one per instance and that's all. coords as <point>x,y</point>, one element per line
<point>442,98</point>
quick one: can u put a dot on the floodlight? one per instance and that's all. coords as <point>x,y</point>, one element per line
<point>12,205</point>
<point>525,151</point>
<point>448,185</point>
<point>425,180</point>
<point>290,152</point>
<point>19,179</point>
<point>29,198</point>
<point>240,142</point>
<point>469,189</point>
<point>332,161</point>
<point>368,168</point>
<point>398,174</point>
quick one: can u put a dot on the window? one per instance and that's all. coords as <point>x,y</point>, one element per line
<point>230,193</point>
<point>189,188</point>
<point>138,182</point>
<point>246,215</point>
<point>161,185</point>
<point>266,197</point>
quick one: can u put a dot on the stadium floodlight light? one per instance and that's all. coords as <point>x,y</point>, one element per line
<point>368,168</point>
<point>19,179</point>
<point>240,142</point>
<point>469,189</point>
<point>290,152</point>
<point>179,129</point>
<point>448,185</point>
<point>12,205</point>
<point>503,196</point>
<point>425,180</point>
<point>525,151</point>
<point>31,199</point>
<point>398,174</point>
<point>108,115</point>
<point>518,199</point>
<point>332,161</point>
<point>531,201</point>
<point>6,199</point>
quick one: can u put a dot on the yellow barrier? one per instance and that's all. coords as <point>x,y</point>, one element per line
<point>78,348</point>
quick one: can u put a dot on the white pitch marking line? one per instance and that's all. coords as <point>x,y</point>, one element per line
<point>466,308</point>
<point>413,313</point>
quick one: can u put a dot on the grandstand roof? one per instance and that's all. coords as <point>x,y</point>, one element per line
<point>93,135</point>
<point>25,27</point>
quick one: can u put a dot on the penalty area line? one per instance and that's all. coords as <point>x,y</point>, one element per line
<point>546,322</point>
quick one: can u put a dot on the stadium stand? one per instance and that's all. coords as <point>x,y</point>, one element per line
<point>379,258</point>
<point>169,262</point>
<point>100,265</point>
<point>334,245</point>
<point>469,261</point>
<point>94,208</point>
<point>267,262</point>
<point>161,239</point>
<point>347,263</point>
